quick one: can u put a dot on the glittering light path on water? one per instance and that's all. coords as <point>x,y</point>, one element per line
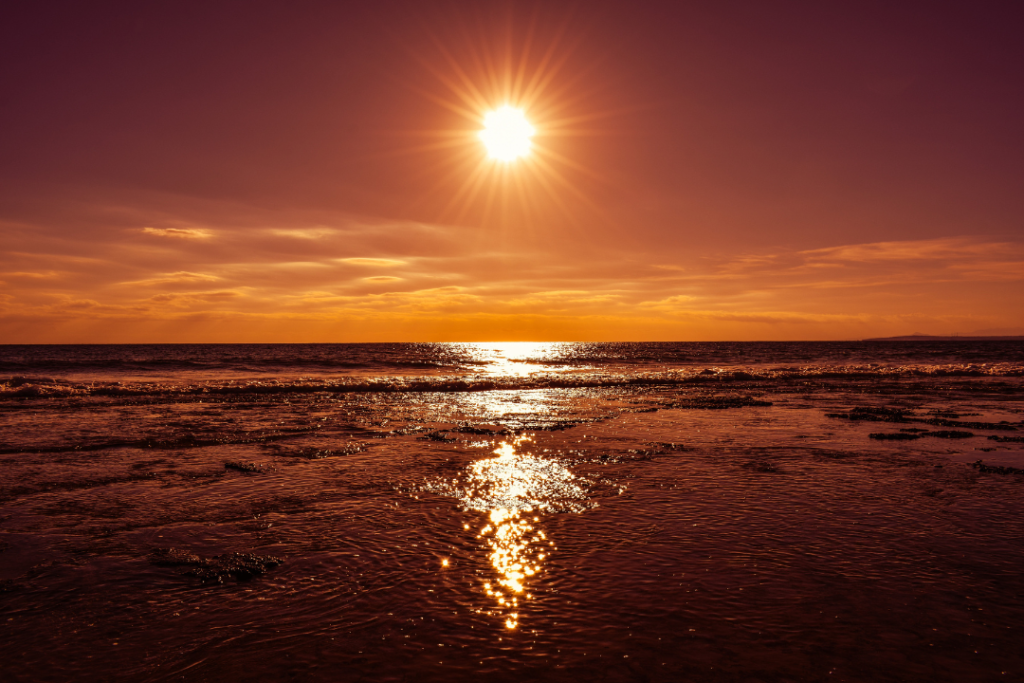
<point>515,490</point>
<point>517,550</point>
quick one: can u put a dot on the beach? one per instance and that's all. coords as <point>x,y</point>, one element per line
<point>619,512</point>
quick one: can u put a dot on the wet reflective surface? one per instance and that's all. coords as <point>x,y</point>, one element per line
<point>767,528</point>
<point>514,490</point>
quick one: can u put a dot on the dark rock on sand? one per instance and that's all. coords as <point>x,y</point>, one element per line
<point>241,566</point>
<point>243,466</point>
<point>312,453</point>
<point>439,436</point>
<point>557,426</point>
<point>950,434</point>
<point>900,415</point>
<point>895,436</point>
<point>995,469</point>
<point>466,428</point>
<point>833,455</point>
<point>1007,439</point>
<point>667,446</point>
<point>866,414</point>
<point>718,403</point>
<point>1002,426</point>
<point>401,431</point>
<point>761,466</point>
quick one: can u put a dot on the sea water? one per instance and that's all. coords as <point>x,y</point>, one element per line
<point>564,511</point>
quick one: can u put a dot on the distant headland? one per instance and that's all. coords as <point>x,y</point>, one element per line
<point>931,338</point>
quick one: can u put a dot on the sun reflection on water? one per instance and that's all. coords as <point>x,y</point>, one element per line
<point>515,489</point>
<point>521,482</point>
<point>517,550</point>
<point>507,364</point>
<point>516,359</point>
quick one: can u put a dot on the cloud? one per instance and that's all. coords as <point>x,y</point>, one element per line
<point>431,299</point>
<point>80,304</point>
<point>376,262</point>
<point>669,304</point>
<point>877,264</point>
<point>334,269</point>
<point>194,298</point>
<point>993,271</point>
<point>562,300</point>
<point>304,233</point>
<point>181,277</point>
<point>70,305</point>
<point>774,317</point>
<point>942,249</point>
<point>178,233</point>
<point>48,274</point>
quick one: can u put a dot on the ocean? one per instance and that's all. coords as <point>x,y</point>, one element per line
<point>513,511</point>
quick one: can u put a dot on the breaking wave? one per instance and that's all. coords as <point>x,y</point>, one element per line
<point>21,387</point>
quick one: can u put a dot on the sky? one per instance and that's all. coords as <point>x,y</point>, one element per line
<point>313,171</point>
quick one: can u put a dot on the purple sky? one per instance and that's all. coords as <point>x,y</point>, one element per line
<point>310,171</point>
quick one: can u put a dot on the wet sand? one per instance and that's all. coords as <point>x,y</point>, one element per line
<point>742,531</point>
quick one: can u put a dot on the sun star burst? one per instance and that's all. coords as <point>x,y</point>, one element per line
<point>507,133</point>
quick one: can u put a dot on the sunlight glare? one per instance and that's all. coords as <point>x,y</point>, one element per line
<point>507,133</point>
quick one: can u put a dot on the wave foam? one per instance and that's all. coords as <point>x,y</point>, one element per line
<point>45,387</point>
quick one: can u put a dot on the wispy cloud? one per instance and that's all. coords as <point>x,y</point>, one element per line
<point>316,233</point>
<point>44,275</point>
<point>178,233</point>
<point>372,262</point>
<point>404,278</point>
<point>672,303</point>
<point>953,249</point>
<point>195,298</point>
<point>179,278</point>
<point>70,305</point>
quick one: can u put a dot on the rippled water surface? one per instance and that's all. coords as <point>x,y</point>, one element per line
<point>618,512</point>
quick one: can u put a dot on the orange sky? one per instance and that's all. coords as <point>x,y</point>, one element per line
<point>242,172</point>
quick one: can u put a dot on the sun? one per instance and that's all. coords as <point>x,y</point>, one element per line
<point>507,133</point>
<point>517,110</point>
